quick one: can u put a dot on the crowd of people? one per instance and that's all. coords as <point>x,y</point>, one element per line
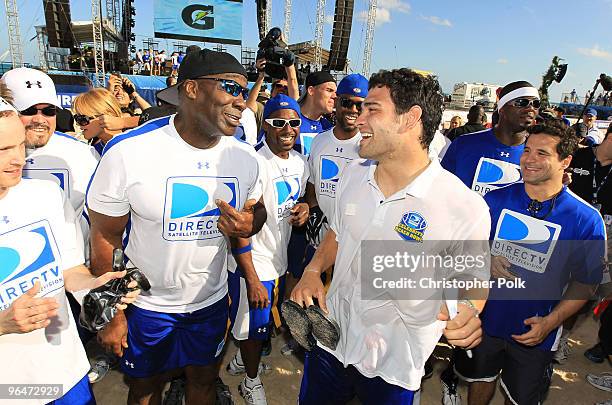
<point>250,212</point>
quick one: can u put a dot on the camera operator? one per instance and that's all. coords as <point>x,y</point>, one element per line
<point>132,104</point>
<point>41,248</point>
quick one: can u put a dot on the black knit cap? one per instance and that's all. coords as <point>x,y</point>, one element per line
<point>198,64</point>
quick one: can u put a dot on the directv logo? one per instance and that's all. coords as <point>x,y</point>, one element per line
<point>61,177</point>
<point>27,255</point>
<point>492,174</point>
<point>190,212</point>
<point>287,191</point>
<point>525,241</point>
<point>306,141</point>
<point>331,168</point>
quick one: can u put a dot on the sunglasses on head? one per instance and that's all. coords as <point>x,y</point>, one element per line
<point>230,87</point>
<point>348,103</point>
<point>83,120</point>
<point>49,111</point>
<point>524,102</point>
<point>281,122</point>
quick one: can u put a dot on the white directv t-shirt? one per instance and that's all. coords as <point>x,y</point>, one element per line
<point>169,189</point>
<point>70,164</point>
<point>39,239</point>
<point>284,182</point>
<point>249,126</point>
<point>328,158</point>
<point>393,335</point>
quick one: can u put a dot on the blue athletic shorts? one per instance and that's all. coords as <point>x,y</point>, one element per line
<point>80,394</point>
<point>247,322</point>
<point>296,252</point>
<point>326,381</point>
<point>159,342</point>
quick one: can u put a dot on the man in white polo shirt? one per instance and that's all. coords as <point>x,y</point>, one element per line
<point>396,196</point>
<point>41,257</point>
<point>187,185</point>
<point>330,152</point>
<point>51,155</point>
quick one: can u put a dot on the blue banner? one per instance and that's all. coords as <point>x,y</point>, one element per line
<point>217,21</point>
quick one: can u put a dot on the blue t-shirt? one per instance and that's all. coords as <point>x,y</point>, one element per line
<point>564,242</point>
<point>482,162</point>
<point>308,130</point>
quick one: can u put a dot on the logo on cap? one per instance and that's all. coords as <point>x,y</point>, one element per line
<point>29,84</point>
<point>283,103</point>
<point>357,90</point>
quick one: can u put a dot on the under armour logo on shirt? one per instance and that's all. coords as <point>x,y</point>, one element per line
<point>36,83</point>
<point>504,154</point>
<point>339,150</point>
<point>30,161</point>
<point>130,365</point>
<point>313,127</point>
<point>4,219</point>
<point>203,165</point>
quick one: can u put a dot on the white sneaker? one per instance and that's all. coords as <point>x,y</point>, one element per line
<point>450,396</point>
<point>564,350</point>
<point>99,369</point>
<point>235,368</point>
<point>602,381</point>
<point>252,396</point>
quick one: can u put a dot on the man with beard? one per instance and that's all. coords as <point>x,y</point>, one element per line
<point>331,151</point>
<point>254,285</point>
<point>51,155</point>
<point>553,243</point>
<point>395,195</point>
<point>187,185</point>
<point>488,160</point>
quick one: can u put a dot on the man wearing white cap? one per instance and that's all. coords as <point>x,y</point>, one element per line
<point>50,155</point>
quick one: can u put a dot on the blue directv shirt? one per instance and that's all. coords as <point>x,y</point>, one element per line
<point>308,130</point>
<point>482,162</point>
<point>563,242</point>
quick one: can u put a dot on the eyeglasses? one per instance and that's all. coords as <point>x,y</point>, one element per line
<point>348,103</point>
<point>281,122</point>
<point>281,86</point>
<point>48,111</point>
<point>524,102</point>
<point>83,120</point>
<point>229,86</point>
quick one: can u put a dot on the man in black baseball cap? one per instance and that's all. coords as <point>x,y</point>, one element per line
<point>189,186</point>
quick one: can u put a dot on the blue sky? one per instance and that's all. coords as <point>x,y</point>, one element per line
<point>470,40</point>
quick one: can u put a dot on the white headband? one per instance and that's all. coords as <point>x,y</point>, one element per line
<point>520,92</point>
<point>6,106</point>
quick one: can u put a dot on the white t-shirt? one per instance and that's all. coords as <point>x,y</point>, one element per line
<point>328,158</point>
<point>284,181</point>
<point>169,189</point>
<point>39,239</point>
<point>70,164</point>
<point>249,126</point>
<point>393,335</point>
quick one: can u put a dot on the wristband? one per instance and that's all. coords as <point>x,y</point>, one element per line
<point>242,250</point>
<point>470,304</point>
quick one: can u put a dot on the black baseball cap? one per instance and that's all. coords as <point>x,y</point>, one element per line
<point>198,64</point>
<point>314,79</point>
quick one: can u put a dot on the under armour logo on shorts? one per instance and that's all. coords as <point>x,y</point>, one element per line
<point>4,219</point>
<point>30,84</point>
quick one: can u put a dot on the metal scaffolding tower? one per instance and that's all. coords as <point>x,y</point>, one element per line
<point>42,51</point>
<point>369,43</point>
<point>287,26</point>
<point>98,40</point>
<point>319,34</point>
<point>14,35</point>
<point>117,17</point>
<point>268,20</point>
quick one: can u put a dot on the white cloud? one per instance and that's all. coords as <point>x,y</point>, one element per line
<point>329,19</point>
<point>383,11</point>
<point>595,52</point>
<point>438,21</point>
<point>502,61</point>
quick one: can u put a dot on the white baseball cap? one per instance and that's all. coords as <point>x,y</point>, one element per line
<point>6,106</point>
<point>30,87</point>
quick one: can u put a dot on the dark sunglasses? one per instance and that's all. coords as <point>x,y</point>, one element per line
<point>281,86</point>
<point>348,103</point>
<point>281,122</point>
<point>230,87</point>
<point>524,102</point>
<point>49,111</point>
<point>83,120</point>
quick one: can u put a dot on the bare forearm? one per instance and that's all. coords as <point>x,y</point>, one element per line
<point>244,259</point>
<point>293,89</point>
<point>325,256</point>
<point>142,103</point>
<point>130,122</point>
<point>106,235</point>
<point>251,102</point>
<point>78,278</point>
<point>574,298</point>
<point>311,195</point>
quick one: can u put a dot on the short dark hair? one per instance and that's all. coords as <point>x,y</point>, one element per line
<point>568,141</point>
<point>409,88</point>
